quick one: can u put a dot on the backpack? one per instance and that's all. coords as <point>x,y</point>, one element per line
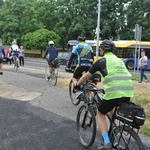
<point>131,113</point>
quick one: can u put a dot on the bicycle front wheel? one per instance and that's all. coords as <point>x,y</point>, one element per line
<point>72,94</point>
<point>125,138</point>
<point>53,77</point>
<point>86,125</point>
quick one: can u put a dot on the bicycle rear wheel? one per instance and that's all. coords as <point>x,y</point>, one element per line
<point>53,76</point>
<point>72,94</point>
<point>86,125</point>
<point>15,63</point>
<point>47,73</point>
<point>125,138</point>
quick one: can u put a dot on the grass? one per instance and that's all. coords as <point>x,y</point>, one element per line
<point>141,97</point>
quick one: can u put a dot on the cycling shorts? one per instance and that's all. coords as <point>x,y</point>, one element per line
<point>16,53</point>
<point>80,70</point>
<point>1,60</point>
<point>107,105</point>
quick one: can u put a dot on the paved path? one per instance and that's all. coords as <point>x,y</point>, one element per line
<point>34,117</point>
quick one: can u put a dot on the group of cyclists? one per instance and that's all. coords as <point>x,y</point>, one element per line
<point>117,82</point>
<point>10,53</point>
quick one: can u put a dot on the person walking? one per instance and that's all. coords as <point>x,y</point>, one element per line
<point>143,66</point>
<point>8,55</point>
<point>21,56</point>
<point>2,55</point>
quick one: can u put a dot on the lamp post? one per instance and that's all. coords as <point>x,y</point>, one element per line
<point>98,29</point>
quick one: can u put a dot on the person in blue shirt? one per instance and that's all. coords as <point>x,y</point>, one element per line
<point>52,53</point>
<point>84,54</point>
<point>2,55</point>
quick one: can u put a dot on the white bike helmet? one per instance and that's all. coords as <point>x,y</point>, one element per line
<point>51,42</point>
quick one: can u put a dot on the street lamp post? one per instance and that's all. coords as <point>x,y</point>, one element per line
<point>98,29</point>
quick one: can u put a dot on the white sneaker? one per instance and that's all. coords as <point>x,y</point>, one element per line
<point>78,94</point>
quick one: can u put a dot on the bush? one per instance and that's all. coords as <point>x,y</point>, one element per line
<point>39,39</point>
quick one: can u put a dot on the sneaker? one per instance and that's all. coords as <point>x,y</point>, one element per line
<point>105,147</point>
<point>79,94</point>
<point>140,81</point>
<point>147,81</point>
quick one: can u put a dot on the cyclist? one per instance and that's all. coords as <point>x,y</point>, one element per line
<point>85,58</point>
<point>52,52</point>
<point>2,55</point>
<point>117,84</point>
<point>15,51</point>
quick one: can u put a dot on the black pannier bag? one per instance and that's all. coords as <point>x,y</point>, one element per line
<point>129,112</point>
<point>55,63</point>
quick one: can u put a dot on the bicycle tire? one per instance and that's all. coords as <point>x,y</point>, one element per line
<point>85,122</point>
<point>53,77</point>
<point>72,94</point>
<point>47,73</point>
<point>125,138</point>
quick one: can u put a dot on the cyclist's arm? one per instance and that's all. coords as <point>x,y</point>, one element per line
<point>70,60</point>
<point>46,53</point>
<point>84,78</point>
<point>99,65</point>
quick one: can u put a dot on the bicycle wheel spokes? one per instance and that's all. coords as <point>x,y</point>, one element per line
<point>126,139</point>
<point>72,94</point>
<point>86,126</point>
<point>53,77</point>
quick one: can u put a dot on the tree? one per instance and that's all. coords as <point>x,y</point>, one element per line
<point>39,39</point>
<point>138,13</point>
<point>18,17</point>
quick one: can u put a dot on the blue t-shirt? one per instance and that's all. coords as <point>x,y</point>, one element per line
<point>83,52</point>
<point>52,51</point>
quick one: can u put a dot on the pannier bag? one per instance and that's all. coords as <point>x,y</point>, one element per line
<point>129,112</point>
<point>55,63</point>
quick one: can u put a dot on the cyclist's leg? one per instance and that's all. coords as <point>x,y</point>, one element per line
<point>105,107</point>
<point>17,59</point>
<point>1,64</point>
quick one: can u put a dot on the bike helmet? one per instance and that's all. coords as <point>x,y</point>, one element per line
<point>51,43</point>
<point>107,45</point>
<point>81,38</point>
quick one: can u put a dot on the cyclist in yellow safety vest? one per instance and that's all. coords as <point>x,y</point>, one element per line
<point>117,84</point>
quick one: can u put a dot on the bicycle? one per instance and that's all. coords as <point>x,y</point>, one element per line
<point>87,94</point>
<point>123,135</point>
<point>16,62</point>
<point>51,74</point>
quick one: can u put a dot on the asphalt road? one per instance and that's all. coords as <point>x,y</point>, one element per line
<point>45,120</point>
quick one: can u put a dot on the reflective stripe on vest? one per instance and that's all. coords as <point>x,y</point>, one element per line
<point>116,78</point>
<point>117,88</point>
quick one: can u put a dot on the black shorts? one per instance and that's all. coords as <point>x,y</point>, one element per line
<point>107,105</point>
<point>1,60</point>
<point>79,71</point>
